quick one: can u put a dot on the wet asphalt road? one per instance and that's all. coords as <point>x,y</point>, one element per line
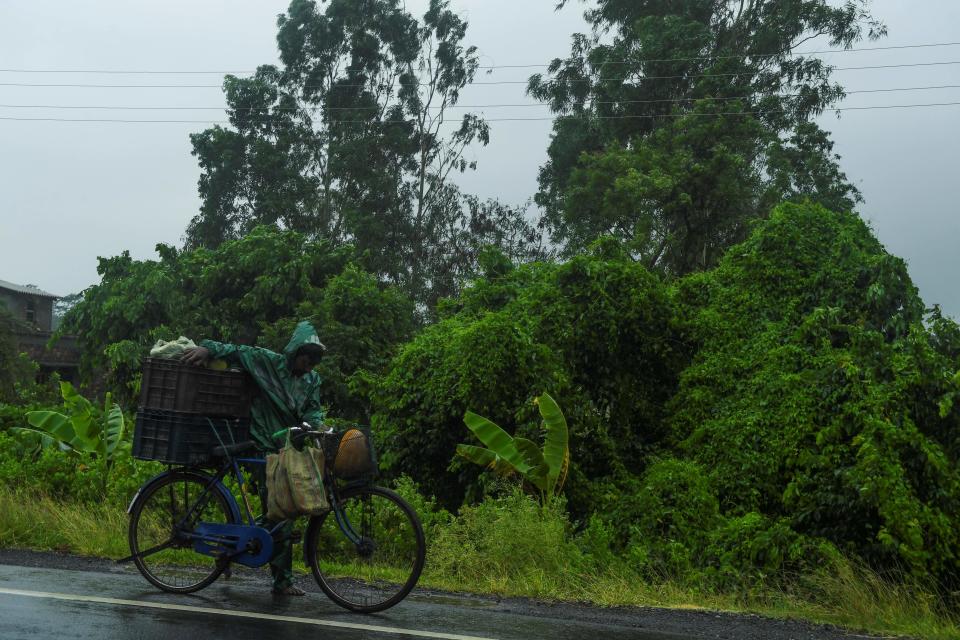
<point>47,596</point>
<point>33,605</point>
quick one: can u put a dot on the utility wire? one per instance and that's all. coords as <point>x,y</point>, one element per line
<point>423,84</point>
<point>458,106</point>
<point>626,117</point>
<point>741,55</point>
<point>511,66</point>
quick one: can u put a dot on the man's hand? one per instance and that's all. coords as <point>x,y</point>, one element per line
<point>197,356</point>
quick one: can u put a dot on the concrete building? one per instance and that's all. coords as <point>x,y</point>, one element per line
<point>33,309</point>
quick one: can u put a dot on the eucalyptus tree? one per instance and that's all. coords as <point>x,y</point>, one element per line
<point>351,138</point>
<point>679,121</point>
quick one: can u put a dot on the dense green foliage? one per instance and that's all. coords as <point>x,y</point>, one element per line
<point>750,420</point>
<point>598,331</point>
<point>691,119</point>
<point>797,399</point>
<point>814,394</point>
<point>249,291</point>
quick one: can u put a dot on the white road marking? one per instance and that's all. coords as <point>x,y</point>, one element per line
<point>237,614</point>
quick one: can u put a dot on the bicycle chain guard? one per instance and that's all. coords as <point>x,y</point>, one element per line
<point>248,545</point>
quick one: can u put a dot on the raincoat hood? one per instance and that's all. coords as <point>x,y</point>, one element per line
<point>303,336</point>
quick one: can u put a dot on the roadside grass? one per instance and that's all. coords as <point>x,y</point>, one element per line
<point>32,520</point>
<point>849,596</point>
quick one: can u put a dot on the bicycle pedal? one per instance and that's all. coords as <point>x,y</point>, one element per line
<point>296,537</point>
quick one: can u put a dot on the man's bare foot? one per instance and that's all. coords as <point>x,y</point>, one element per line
<point>290,590</point>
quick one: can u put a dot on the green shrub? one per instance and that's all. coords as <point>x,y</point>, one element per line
<point>508,542</point>
<point>599,331</point>
<point>492,366</point>
<point>431,514</point>
<point>754,552</point>
<point>666,518</point>
<point>815,394</point>
<point>62,475</point>
<point>12,416</point>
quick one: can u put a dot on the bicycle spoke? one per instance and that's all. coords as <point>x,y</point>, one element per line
<point>160,524</point>
<point>153,550</point>
<point>377,568</point>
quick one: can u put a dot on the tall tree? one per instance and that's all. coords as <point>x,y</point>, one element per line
<point>351,139</point>
<point>694,117</point>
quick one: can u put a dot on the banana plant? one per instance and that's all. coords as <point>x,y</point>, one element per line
<point>505,454</point>
<point>83,429</point>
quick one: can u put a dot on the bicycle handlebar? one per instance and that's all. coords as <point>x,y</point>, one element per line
<point>298,434</point>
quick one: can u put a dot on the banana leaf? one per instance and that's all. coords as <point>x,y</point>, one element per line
<point>114,429</point>
<point>477,455</point>
<point>556,446</point>
<point>60,428</point>
<point>538,473</point>
<point>485,458</point>
<point>497,440</point>
<point>44,439</point>
<point>81,413</point>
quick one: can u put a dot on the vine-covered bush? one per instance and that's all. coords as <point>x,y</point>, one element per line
<point>490,365</point>
<point>814,394</point>
<point>598,333</point>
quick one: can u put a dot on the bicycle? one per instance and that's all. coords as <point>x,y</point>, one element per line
<point>366,552</point>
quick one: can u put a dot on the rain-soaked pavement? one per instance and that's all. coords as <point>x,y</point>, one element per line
<point>41,603</point>
<point>68,597</point>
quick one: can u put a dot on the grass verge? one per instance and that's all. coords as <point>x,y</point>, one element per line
<point>851,597</point>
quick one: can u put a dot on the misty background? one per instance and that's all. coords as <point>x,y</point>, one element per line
<point>72,191</point>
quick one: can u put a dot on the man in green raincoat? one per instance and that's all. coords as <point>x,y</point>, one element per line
<point>289,395</point>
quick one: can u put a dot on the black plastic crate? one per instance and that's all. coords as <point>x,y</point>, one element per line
<point>184,438</point>
<point>169,385</point>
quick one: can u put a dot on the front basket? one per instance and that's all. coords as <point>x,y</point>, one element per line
<point>351,454</point>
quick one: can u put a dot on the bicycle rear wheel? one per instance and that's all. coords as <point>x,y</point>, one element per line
<point>160,526</point>
<point>382,565</point>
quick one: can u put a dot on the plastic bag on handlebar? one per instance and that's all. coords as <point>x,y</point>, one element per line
<point>295,483</point>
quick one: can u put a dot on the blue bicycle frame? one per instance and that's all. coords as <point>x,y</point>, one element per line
<point>246,543</point>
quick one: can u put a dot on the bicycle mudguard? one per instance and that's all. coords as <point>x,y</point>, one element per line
<point>206,479</point>
<point>250,546</point>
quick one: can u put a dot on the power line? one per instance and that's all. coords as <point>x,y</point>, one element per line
<point>423,84</point>
<point>508,66</point>
<point>742,55</point>
<point>625,117</point>
<point>469,106</point>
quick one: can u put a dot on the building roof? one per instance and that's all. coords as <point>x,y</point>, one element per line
<point>29,290</point>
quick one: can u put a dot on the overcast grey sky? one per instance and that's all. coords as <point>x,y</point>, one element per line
<point>70,192</point>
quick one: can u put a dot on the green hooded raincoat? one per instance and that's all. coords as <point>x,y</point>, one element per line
<point>284,400</point>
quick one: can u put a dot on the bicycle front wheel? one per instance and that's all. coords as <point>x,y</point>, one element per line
<point>161,521</point>
<point>368,554</point>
